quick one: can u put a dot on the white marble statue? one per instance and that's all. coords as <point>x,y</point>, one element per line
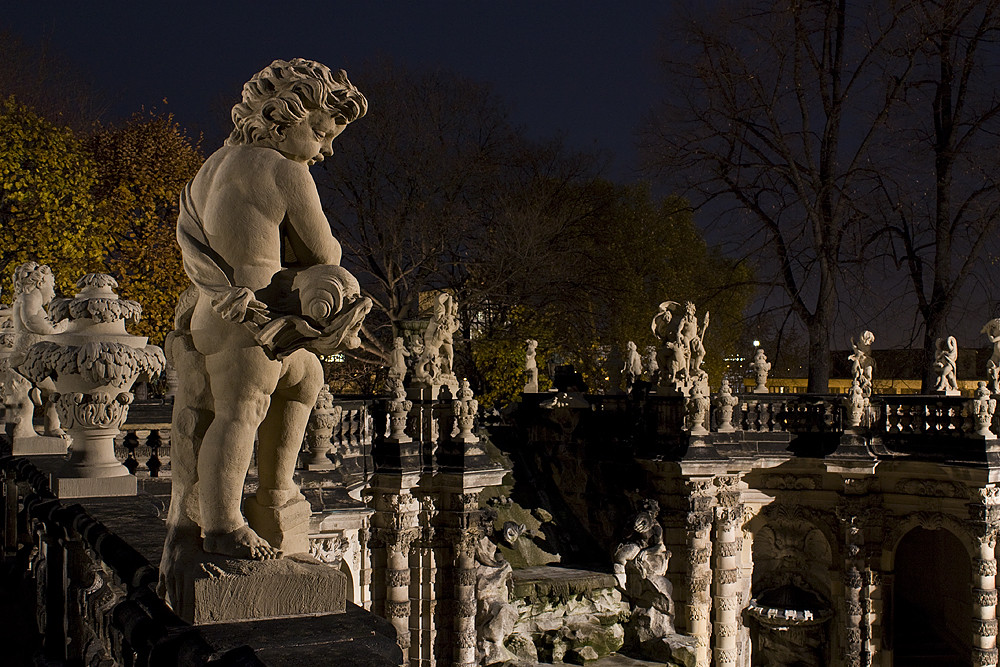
<point>946,366</point>
<point>530,367</point>
<point>992,331</point>
<point>633,365</point>
<point>862,363</point>
<point>640,565</point>
<point>397,359</point>
<point>760,367</point>
<point>34,289</point>
<point>649,361</point>
<point>268,295</point>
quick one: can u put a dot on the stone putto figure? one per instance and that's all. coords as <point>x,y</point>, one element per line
<point>992,331</point>
<point>640,565</point>
<point>34,290</point>
<point>652,368</point>
<point>397,359</point>
<point>760,367</point>
<point>439,337</point>
<point>633,365</point>
<point>530,368</point>
<point>862,364</point>
<point>946,366</point>
<point>268,294</point>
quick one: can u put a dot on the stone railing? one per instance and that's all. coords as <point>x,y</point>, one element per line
<point>96,599</point>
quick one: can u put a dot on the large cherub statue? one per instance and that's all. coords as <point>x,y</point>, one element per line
<point>268,294</point>
<point>34,289</point>
<point>439,336</point>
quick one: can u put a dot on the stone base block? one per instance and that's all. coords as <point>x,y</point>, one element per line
<point>93,487</point>
<point>327,465</point>
<point>229,589</point>
<point>40,445</point>
<point>285,527</point>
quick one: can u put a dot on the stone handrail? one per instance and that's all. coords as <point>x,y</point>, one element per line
<point>98,593</point>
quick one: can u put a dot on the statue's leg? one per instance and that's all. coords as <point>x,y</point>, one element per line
<point>283,428</point>
<point>243,380</point>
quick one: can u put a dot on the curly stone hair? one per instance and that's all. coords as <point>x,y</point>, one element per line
<point>284,93</point>
<point>29,276</point>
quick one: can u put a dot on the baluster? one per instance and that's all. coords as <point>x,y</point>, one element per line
<point>130,443</point>
<point>154,442</point>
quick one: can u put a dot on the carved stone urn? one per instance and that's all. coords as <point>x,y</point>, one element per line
<point>94,364</point>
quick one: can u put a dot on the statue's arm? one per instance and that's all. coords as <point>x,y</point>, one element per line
<point>33,315</point>
<point>308,229</point>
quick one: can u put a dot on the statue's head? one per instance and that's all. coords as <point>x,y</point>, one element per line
<point>34,276</point>
<point>284,93</point>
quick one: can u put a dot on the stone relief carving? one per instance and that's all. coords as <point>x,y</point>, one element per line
<point>436,356</point>
<point>397,360</point>
<point>981,408</point>
<point>268,295</point>
<point>726,402</point>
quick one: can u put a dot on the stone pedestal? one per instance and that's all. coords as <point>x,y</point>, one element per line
<point>93,487</point>
<point>43,445</point>
<point>229,589</point>
<point>285,527</point>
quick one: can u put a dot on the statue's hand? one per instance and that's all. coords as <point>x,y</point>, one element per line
<point>233,305</point>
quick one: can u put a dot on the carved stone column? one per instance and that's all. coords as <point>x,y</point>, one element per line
<point>984,602</point>
<point>396,528</point>
<point>728,516</point>
<point>465,581</point>
<point>699,578</point>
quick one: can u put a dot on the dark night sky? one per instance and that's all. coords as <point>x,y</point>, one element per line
<point>585,70</point>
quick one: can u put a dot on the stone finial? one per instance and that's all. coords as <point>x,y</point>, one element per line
<point>981,409</point>
<point>699,405</point>
<point>760,368</point>
<point>862,363</point>
<point>726,402</point>
<point>324,418</point>
<point>399,409</point>
<point>465,409</point>
<point>992,331</point>
<point>946,366</point>
<point>855,404</point>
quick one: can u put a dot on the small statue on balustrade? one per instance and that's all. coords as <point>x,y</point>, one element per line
<point>946,366</point>
<point>530,368</point>
<point>34,289</point>
<point>862,363</point>
<point>992,331</point>
<point>652,368</point>
<point>760,368</point>
<point>633,366</point>
<point>397,359</point>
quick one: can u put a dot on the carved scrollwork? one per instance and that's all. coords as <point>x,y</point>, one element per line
<point>726,629</point>
<point>728,576</point>
<point>465,608</point>
<point>985,627</point>
<point>985,567</point>
<point>984,657</point>
<point>329,550</point>
<point>466,639</point>
<point>698,556</point>
<point>932,487</point>
<point>791,482</point>
<point>727,549</point>
<point>728,602</point>
<point>99,410</point>
<point>465,577</point>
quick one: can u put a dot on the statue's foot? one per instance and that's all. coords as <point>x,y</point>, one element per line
<point>57,433</point>
<point>240,543</point>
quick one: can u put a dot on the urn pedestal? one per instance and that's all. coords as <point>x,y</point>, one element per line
<point>94,364</point>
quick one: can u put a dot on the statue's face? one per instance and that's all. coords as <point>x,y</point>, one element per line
<point>310,140</point>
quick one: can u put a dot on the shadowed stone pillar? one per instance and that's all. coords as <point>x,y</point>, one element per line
<point>728,518</point>
<point>699,579</point>
<point>396,528</point>
<point>984,602</point>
